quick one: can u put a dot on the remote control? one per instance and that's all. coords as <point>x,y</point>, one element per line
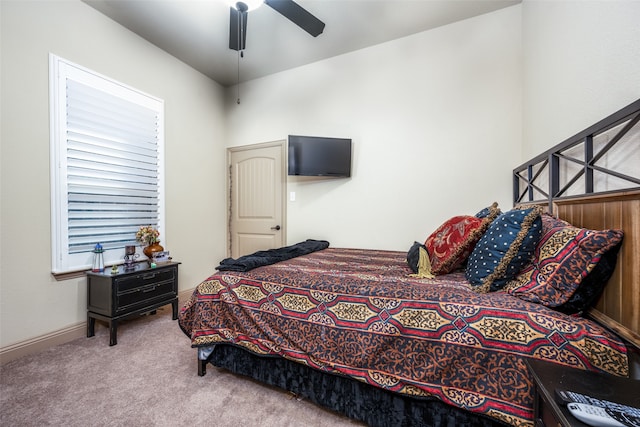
<point>565,397</point>
<point>593,415</point>
<point>624,417</point>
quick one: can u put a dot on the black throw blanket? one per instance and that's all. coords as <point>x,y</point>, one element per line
<point>271,256</point>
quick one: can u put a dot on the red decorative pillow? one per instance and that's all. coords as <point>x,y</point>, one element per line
<point>564,256</point>
<point>452,242</point>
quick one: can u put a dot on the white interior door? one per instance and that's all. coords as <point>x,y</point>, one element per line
<point>257,183</point>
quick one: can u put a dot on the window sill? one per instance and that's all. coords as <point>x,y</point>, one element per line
<point>69,275</point>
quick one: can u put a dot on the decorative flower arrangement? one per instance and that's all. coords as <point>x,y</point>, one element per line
<point>147,235</point>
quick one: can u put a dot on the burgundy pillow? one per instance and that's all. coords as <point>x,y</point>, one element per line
<point>452,243</point>
<point>591,287</point>
<point>564,256</point>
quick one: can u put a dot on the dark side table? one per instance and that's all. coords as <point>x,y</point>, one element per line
<point>549,376</point>
<point>130,292</point>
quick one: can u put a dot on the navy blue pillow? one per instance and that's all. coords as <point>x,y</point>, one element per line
<point>492,211</point>
<point>413,256</point>
<point>504,249</point>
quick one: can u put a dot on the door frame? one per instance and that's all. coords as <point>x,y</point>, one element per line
<point>283,167</point>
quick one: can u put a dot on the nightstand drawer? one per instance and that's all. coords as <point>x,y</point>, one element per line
<point>141,280</point>
<point>145,295</point>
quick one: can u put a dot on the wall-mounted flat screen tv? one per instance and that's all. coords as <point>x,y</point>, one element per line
<point>319,156</point>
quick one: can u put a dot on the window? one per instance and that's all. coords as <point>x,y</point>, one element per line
<point>107,167</point>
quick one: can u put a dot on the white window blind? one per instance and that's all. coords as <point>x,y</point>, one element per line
<point>107,165</point>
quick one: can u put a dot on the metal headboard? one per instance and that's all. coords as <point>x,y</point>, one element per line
<point>577,165</point>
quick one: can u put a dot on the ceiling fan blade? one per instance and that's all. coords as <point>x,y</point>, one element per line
<point>237,29</point>
<point>298,15</point>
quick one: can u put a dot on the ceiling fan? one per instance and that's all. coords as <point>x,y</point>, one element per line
<point>288,8</point>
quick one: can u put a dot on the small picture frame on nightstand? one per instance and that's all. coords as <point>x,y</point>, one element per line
<point>161,257</point>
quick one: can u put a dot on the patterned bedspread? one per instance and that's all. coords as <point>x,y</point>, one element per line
<point>359,313</point>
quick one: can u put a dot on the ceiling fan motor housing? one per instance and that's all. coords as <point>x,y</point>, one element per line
<point>287,8</point>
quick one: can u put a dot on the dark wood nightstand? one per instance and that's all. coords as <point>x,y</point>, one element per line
<point>548,377</point>
<point>142,289</point>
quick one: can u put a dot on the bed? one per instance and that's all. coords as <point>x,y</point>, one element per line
<point>433,336</point>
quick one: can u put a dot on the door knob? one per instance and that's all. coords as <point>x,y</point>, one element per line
<point>277,227</point>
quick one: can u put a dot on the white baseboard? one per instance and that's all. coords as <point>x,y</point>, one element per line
<point>61,336</point>
<point>42,342</point>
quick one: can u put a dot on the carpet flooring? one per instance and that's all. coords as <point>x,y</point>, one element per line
<point>148,379</point>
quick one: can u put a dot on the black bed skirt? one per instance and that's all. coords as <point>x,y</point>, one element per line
<point>354,399</point>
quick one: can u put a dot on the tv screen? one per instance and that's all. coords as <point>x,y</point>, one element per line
<point>319,156</point>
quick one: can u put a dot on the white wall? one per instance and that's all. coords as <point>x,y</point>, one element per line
<point>32,302</point>
<point>435,120</point>
<point>581,63</point>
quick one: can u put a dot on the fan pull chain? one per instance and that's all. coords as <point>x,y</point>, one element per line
<point>240,51</point>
